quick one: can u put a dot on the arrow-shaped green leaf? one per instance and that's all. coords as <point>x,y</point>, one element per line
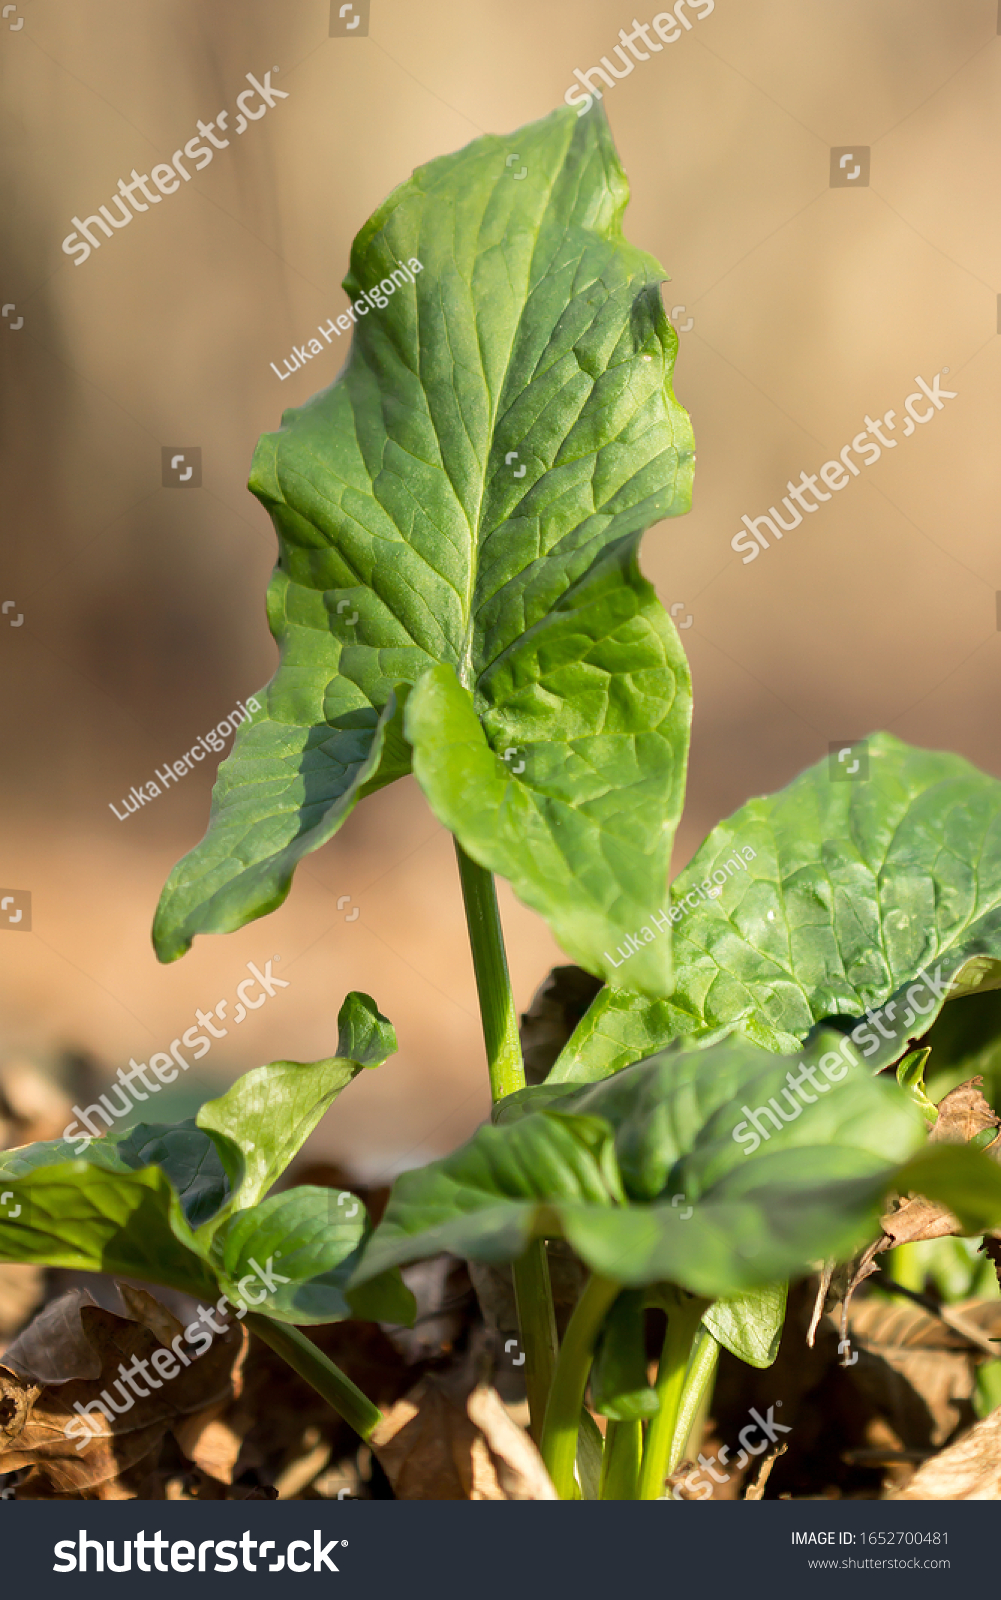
<point>469,495</point>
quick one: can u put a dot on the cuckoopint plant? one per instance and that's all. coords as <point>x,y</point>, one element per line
<point>458,595</point>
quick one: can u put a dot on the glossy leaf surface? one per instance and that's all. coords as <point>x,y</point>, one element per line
<point>604,1166</point>
<point>469,495</point>
<point>872,894</point>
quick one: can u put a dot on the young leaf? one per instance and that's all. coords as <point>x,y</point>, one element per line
<point>604,1165</point>
<point>853,891</point>
<point>363,1033</point>
<point>750,1325</point>
<point>619,1386</point>
<point>269,1113</point>
<point>469,495</point>
<point>188,1157</point>
<point>911,1076</point>
<point>295,1252</point>
<point>178,1204</point>
<point>229,1156</point>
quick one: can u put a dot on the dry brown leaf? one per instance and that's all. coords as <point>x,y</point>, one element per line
<point>17,1396</point>
<point>146,1308</point>
<point>956,1327</point>
<point>99,1451</point>
<point>138,1482</point>
<point>514,1459</point>
<point>916,1369</point>
<point>970,1469</point>
<point>441,1442</point>
<point>962,1114</point>
<point>54,1347</point>
<point>213,1438</point>
<point>756,1490</point>
<point>917,1219</point>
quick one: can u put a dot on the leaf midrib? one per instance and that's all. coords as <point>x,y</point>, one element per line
<point>466,672</point>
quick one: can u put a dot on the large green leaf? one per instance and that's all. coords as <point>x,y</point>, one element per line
<point>605,1166</point>
<point>469,494</point>
<point>852,889</point>
<point>584,862</point>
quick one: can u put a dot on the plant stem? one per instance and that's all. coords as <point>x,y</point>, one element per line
<point>906,1266</point>
<point>559,1432</point>
<point>533,1297</point>
<point>493,984</point>
<point>698,1382</point>
<point>682,1322</point>
<point>310,1363</point>
<point>620,1464</point>
<point>532,1290</point>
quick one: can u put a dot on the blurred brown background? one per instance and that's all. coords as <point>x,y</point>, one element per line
<point>143,607</point>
